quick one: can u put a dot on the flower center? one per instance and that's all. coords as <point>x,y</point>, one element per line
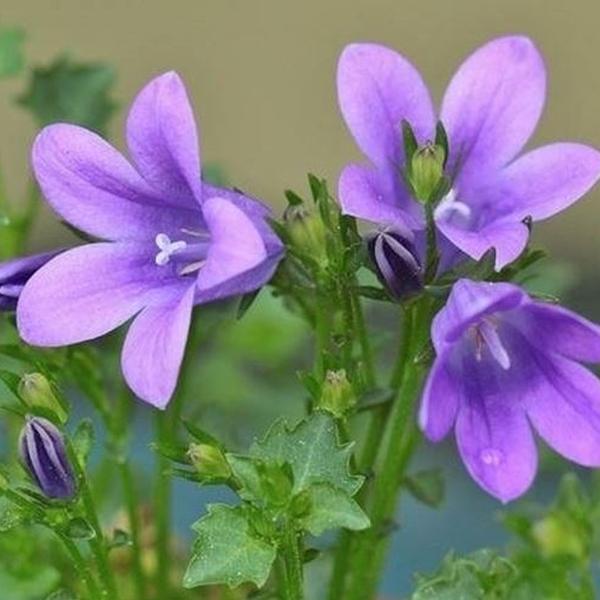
<point>485,335</point>
<point>452,210</point>
<point>189,255</point>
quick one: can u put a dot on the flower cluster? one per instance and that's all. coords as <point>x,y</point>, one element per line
<point>441,192</point>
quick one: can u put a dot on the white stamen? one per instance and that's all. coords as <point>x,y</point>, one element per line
<point>167,248</point>
<point>487,334</point>
<point>192,267</point>
<point>450,206</point>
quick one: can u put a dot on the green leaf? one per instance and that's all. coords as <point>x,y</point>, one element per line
<point>83,440</point>
<point>62,594</point>
<point>71,92</point>
<point>312,450</point>
<point>331,508</point>
<point>227,551</point>
<point>11,52</point>
<point>10,515</point>
<point>119,539</point>
<point>427,486</point>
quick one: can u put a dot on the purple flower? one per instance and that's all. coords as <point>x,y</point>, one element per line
<point>15,273</point>
<point>172,241</point>
<point>43,453</point>
<point>489,111</point>
<point>506,363</point>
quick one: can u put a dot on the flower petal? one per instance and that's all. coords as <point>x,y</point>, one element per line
<point>564,408</point>
<point>543,182</point>
<point>551,327</point>
<point>88,291</point>
<point>94,188</point>
<point>508,239</point>
<point>236,244</point>
<point>440,401</point>
<point>493,104</point>
<point>493,435</point>
<point>367,194</point>
<point>377,89</point>
<point>154,348</point>
<point>468,303</point>
<point>163,140</point>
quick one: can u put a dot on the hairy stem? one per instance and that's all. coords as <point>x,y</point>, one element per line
<point>292,582</point>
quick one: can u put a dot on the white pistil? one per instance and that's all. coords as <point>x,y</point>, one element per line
<point>167,248</point>
<point>450,206</point>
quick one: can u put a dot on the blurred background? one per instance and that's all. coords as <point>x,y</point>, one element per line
<point>261,77</point>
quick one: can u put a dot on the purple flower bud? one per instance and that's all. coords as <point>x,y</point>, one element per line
<point>396,262</point>
<point>43,452</point>
<point>15,273</point>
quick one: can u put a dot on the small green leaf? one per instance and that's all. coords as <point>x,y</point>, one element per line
<point>427,486</point>
<point>79,529</point>
<point>83,440</point>
<point>71,92</point>
<point>62,594</point>
<point>10,515</point>
<point>312,450</point>
<point>11,52</point>
<point>119,539</point>
<point>227,551</point>
<point>331,508</point>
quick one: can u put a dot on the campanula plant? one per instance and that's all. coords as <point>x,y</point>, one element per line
<point>176,260</point>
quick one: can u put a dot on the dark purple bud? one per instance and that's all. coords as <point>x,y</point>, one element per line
<point>44,455</point>
<point>15,273</point>
<point>396,262</point>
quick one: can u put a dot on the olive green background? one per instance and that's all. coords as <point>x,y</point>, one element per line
<point>261,76</point>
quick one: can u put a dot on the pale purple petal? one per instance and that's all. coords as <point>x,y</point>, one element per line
<point>492,432</point>
<point>370,195</point>
<point>163,140</point>
<point>467,304</point>
<point>563,404</point>
<point>91,185</point>
<point>493,104</point>
<point>154,348</point>
<point>509,239</point>
<point>556,329</point>
<point>440,401</point>
<point>377,89</point>
<point>542,183</point>
<point>236,244</point>
<point>88,291</point>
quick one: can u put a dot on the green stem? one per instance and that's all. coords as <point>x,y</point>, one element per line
<point>292,559</point>
<point>80,564</point>
<point>131,504</point>
<point>398,444</point>
<point>163,511</point>
<point>98,542</point>
<point>363,339</point>
<point>321,333</point>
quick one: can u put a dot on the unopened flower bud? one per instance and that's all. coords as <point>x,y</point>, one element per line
<point>209,461</point>
<point>306,230</point>
<point>426,171</point>
<point>36,391</point>
<point>337,395</point>
<point>396,262</point>
<point>43,452</point>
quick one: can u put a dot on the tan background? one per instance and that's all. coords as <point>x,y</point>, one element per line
<point>261,75</point>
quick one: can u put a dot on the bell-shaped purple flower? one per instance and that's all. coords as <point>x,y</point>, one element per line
<point>506,364</point>
<point>172,241</point>
<point>396,262</point>
<point>15,273</point>
<point>489,111</point>
<point>43,453</point>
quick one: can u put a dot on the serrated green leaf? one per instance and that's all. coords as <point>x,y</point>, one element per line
<point>83,440</point>
<point>427,486</point>
<point>332,508</point>
<point>312,450</point>
<point>227,551</point>
<point>11,51</point>
<point>71,92</point>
